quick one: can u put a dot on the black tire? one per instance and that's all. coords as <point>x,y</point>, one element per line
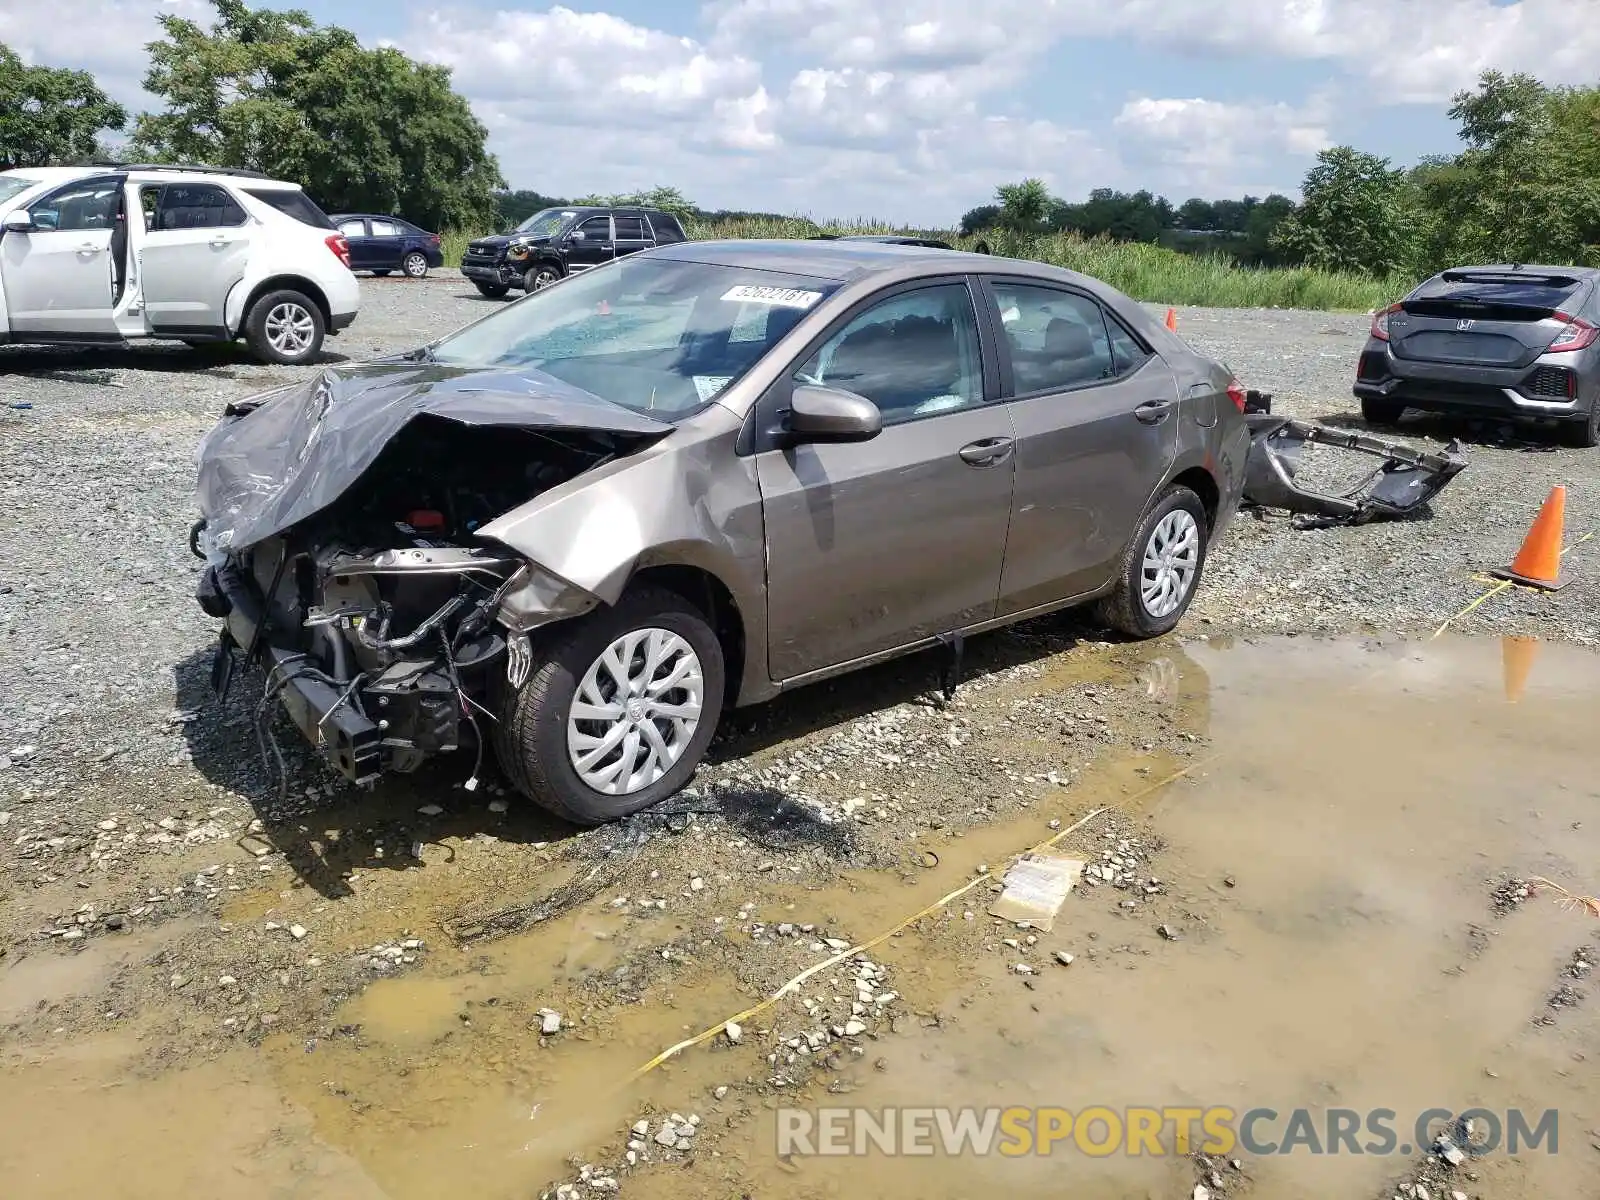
<point>380,272</point>
<point>540,276</point>
<point>1123,608</point>
<point>492,291</point>
<point>415,266</point>
<point>1382,412</point>
<point>1585,434</point>
<point>531,735</point>
<point>270,313</point>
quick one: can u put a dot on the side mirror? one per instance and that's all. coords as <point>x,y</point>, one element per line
<point>17,222</point>
<point>577,235</point>
<point>825,414</point>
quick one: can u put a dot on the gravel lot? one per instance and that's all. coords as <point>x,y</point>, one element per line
<point>127,801</point>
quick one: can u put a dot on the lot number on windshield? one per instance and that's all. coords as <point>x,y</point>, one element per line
<point>783,297</point>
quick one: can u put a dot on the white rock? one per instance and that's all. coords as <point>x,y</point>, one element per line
<point>854,1028</point>
<point>719,1092</point>
<point>226,981</point>
<point>430,810</point>
<point>1063,958</point>
<point>1023,969</point>
<point>668,1137</point>
<point>549,1021</point>
<point>1201,1192</point>
<point>641,1127</point>
<point>837,943</point>
<point>696,884</point>
<point>297,932</point>
<point>733,1031</point>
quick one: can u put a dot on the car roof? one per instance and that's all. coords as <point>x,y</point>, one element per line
<point>1514,269</point>
<point>53,174</point>
<point>840,259</point>
<point>362,216</point>
<point>156,170</point>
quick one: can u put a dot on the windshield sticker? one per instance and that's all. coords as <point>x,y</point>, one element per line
<point>782,297</point>
<point>709,385</point>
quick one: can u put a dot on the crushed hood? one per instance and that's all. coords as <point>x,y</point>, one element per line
<point>285,456</point>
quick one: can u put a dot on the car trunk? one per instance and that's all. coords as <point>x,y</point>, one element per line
<point>1485,318</point>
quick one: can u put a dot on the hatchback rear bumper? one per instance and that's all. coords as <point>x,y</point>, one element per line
<point>1532,391</point>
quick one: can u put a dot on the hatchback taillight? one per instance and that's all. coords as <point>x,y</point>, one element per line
<point>340,247</point>
<point>1577,335</point>
<point>1380,322</point>
<point>1236,394</point>
<point>433,239</point>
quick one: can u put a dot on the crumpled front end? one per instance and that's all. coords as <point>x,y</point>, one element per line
<point>340,531</point>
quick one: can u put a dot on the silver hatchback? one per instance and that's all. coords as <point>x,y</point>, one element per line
<point>578,529</point>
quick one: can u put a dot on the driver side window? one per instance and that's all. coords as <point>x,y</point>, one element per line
<point>87,205</point>
<point>596,229</point>
<point>913,355</point>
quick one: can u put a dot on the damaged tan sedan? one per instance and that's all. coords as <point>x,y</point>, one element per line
<point>580,528</point>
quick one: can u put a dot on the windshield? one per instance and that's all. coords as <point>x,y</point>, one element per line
<point>11,185</point>
<point>659,336</point>
<point>547,222</point>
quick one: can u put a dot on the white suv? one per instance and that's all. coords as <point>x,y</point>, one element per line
<point>211,255</point>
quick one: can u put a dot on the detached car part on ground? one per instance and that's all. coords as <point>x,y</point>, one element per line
<point>579,528</point>
<point>1508,341</point>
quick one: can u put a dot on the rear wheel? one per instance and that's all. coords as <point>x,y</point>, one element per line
<point>1586,433</point>
<point>285,327</point>
<point>619,711</point>
<point>1381,412</point>
<point>415,265</point>
<point>492,290</point>
<point>1161,567</point>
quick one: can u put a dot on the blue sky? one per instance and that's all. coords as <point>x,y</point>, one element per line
<point>913,111</point>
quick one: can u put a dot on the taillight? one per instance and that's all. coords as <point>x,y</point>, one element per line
<point>1380,322</point>
<point>1576,336</point>
<point>340,247</point>
<point>433,239</point>
<point>1236,394</point>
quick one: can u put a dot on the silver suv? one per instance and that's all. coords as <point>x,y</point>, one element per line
<point>701,476</point>
<point>112,254</point>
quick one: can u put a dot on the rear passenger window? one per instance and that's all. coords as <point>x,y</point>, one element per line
<point>913,355</point>
<point>292,203</point>
<point>352,229</point>
<point>196,206</point>
<point>1057,339</point>
<point>1126,352</point>
<point>666,227</point>
<point>630,229</point>
<point>385,229</point>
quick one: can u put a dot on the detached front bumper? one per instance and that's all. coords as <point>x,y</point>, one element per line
<point>501,273</point>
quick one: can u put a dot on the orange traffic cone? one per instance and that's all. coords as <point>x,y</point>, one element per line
<point>1172,319</point>
<point>1516,662</point>
<point>1538,563</point>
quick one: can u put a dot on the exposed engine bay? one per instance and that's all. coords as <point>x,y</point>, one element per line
<point>383,609</point>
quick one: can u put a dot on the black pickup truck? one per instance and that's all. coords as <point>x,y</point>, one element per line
<point>557,242</point>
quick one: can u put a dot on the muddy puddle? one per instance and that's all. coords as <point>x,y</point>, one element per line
<point>1321,934</point>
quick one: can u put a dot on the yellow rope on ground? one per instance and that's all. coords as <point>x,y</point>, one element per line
<point>706,1035</point>
<point>740,1017</point>
<point>1499,587</point>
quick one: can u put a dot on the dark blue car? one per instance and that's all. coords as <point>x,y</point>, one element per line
<point>382,244</point>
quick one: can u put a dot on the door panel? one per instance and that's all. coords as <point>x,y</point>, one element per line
<point>360,244</point>
<point>1094,440</point>
<point>197,249</point>
<point>596,247</point>
<point>58,277</point>
<point>388,244</point>
<point>879,544</point>
<point>632,235</point>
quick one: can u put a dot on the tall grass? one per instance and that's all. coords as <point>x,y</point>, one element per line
<point>1143,271</point>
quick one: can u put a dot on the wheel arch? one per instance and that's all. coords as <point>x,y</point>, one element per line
<point>247,298</point>
<point>716,602</point>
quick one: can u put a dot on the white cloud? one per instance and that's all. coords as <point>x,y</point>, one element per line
<point>108,39</point>
<point>1215,146</point>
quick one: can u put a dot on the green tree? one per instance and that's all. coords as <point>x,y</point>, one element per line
<point>50,115</point>
<point>976,220</point>
<point>1023,206</point>
<point>361,129</point>
<point>1353,216</point>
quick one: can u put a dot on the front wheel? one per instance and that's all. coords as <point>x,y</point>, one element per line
<point>284,327</point>
<point>1161,568</point>
<point>491,291</point>
<point>415,266</point>
<point>540,277</point>
<point>618,710</point>
<point>379,272</point>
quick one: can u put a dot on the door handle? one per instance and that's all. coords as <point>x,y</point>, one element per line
<point>987,452</point>
<point>220,241</point>
<point>90,248</point>
<point>1153,412</point>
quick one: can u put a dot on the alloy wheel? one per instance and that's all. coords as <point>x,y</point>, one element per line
<point>416,266</point>
<point>635,711</point>
<point>290,329</point>
<point>1171,562</point>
